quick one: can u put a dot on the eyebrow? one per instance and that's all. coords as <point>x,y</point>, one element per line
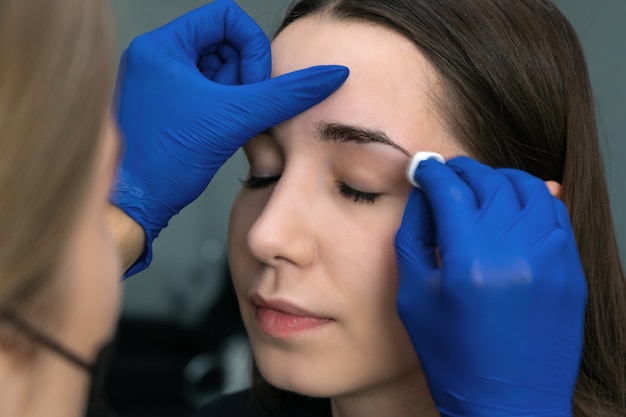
<point>342,133</point>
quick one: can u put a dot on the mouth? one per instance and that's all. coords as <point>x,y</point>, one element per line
<point>282,319</point>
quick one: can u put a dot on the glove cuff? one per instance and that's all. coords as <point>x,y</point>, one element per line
<point>129,202</point>
<point>145,259</point>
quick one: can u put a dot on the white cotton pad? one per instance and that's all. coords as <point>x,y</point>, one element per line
<point>415,162</point>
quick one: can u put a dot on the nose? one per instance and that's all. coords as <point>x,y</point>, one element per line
<point>283,233</point>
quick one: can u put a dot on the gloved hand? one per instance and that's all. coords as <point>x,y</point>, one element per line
<point>492,291</point>
<point>189,95</point>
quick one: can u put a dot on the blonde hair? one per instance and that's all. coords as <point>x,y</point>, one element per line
<point>56,81</point>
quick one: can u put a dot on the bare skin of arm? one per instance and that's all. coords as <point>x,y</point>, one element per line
<point>128,235</point>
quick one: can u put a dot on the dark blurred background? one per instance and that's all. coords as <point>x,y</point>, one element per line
<point>180,340</point>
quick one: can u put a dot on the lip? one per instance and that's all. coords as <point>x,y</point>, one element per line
<point>282,319</point>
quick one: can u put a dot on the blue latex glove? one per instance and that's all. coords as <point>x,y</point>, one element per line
<point>190,94</point>
<point>497,321</point>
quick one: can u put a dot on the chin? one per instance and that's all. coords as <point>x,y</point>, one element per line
<point>302,380</point>
<point>301,386</point>
<point>308,380</point>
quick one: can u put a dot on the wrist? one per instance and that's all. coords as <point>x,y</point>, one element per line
<point>128,235</point>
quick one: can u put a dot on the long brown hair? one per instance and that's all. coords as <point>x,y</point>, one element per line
<point>56,81</point>
<point>517,94</point>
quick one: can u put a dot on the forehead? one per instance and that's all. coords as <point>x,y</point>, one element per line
<point>391,87</point>
<point>315,40</point>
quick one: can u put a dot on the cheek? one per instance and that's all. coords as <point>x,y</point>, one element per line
<point>93,287</point>
<point>364,259</point>
<point>366,281</point>
<point>102,275</point>
<point>113,268</point>
<point>369,235</point>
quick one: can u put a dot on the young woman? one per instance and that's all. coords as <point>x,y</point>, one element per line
<point>312,231</point>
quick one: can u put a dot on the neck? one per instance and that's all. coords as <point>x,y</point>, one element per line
<point>47,386</point>
<point>405,397</point>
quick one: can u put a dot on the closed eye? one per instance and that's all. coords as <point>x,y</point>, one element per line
<point>362,197</point>
<point>357,196</point>
<point>259,182</point>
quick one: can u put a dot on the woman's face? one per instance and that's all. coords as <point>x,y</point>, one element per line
<point>90,269</point>
<point>312,231</point>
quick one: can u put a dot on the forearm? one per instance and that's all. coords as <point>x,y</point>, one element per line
<point>128,235</point>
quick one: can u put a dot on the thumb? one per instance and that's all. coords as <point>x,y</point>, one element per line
<point>273,101</point>
<point>415,240</point>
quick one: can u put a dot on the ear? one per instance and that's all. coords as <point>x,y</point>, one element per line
<point>554,188</point>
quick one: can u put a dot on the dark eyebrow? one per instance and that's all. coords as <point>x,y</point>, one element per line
<point>337,132</point>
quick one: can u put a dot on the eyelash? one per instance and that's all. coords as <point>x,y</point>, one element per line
<point>345,190</point>
<point>260,182</point>
<point>356,195</point>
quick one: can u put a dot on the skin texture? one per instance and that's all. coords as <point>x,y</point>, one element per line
<point>88,290</point>
<point>303,240</point>
<point>128,235</point>
<point>92,263</point>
